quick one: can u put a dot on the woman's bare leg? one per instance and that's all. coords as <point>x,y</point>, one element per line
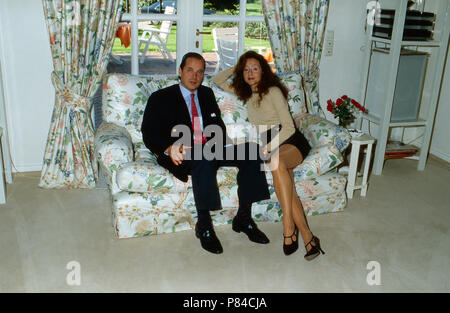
<point>290,157</point>
<point>283,190</point>
<point>299,216</point>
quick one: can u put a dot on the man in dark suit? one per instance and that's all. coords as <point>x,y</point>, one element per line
<point>190,107</point>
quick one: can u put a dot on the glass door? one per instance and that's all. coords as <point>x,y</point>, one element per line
<point>235,27</point>
<point>147,38</point>
<point>152,39</point>
<point>190,31</point>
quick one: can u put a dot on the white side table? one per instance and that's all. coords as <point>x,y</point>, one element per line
<point>356,143</point>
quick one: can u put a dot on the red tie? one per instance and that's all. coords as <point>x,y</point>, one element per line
<point>198,135</point>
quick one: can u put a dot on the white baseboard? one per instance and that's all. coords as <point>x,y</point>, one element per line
<point>440,155</point>
<point>28,168</point>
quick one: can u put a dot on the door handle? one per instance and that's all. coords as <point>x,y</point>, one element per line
<point>198,32</point>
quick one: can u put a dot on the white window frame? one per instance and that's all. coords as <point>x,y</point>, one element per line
<point>134,18</point>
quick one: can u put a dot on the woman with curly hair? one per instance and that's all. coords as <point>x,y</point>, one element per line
<point>266,98</point>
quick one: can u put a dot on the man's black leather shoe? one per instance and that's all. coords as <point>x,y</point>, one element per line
<point>208,239</point>
<point>248,227</point>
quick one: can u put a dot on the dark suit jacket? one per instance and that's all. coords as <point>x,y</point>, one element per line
<point>166,109</point>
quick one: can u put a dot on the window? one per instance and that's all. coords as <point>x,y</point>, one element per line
<point>171,34</point>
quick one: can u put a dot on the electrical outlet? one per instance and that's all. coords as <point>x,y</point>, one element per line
<point>329,43</point>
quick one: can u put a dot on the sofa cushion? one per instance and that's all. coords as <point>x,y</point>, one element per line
<point>162,81</point>
<point>145,175</point>
<point>296,98</point>
<point>234,112</point>
<point>293,82</point>
<point>159,81</point>
<point>320,132</point>
<point>232,109</point>
<point>311,188</point>
<point>124,99</point>
<point>242,132</point>
<point>234,115</point>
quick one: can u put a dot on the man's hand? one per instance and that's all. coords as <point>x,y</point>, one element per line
<point>177,153</point>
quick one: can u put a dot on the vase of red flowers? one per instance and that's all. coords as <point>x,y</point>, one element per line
<point>344,108</point>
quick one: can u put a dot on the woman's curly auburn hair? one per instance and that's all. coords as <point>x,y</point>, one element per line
<point>268,78</point>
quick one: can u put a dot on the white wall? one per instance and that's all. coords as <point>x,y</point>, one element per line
<point>440,143</point>
<point>341,73</point>
<point>27,65</point>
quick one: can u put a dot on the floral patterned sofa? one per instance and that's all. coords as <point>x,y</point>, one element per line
<point>148,200</point>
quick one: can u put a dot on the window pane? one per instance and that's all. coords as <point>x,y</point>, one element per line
<point>157,47</point>
<point>157,39</point>
<point>126,6</point>
<point>256,39</point>
<point>158,58</point>
<point>254,7</point>
<point>221,7</point>
<point>220,48</point>
<point>120,61</point>
<point>143,5</point>
<point>154,6</point>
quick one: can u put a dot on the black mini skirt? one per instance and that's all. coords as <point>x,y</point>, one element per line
<point>297,139</point>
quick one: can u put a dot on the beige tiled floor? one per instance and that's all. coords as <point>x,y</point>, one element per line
<point>403,224</point>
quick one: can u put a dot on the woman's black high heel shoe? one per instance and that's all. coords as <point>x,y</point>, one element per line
<point>315,249</point>
<point>289,249</point>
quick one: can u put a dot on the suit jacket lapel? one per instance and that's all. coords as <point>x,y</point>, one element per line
<point>203,106</point>
<point>182,106</point>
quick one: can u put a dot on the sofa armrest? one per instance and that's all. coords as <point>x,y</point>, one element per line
<point>113,147</point>
<point>319,161</point>
<point>320,131</point>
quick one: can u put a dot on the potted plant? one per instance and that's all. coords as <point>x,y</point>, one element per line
<point>344,108</point>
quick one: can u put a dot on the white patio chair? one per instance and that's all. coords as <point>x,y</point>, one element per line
<point>226,47</point>
<point>228,37</point>
<point>157,37</point>
<point>228,51</point>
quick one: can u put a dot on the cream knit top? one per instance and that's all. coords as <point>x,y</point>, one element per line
<point>273,109</point>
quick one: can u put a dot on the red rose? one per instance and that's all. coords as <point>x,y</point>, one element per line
<point>339,102</point>
<point>363,109</point>
<point>329,102</point>
<point>356,104</point>
<point>344,97</point>
<point>330,106</point>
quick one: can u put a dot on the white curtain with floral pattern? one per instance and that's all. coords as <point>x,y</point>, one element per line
<point>81,36</point>
<point>296,31</point>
